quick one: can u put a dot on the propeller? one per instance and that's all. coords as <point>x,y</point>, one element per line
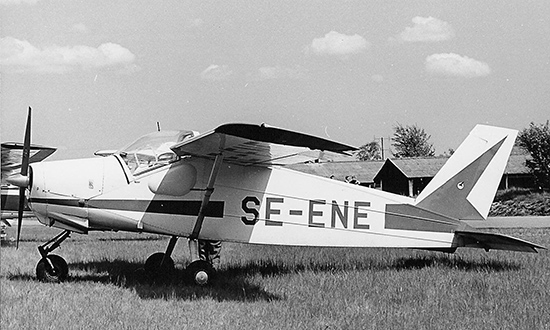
<point>22,180</point>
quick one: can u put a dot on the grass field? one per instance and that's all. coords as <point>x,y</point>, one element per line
<point>276,287</point>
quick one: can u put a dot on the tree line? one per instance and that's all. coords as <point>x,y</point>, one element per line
<point>412,141</point>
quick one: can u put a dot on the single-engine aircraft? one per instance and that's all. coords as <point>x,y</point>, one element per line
<point>230,184</point>
<point>11,162</point>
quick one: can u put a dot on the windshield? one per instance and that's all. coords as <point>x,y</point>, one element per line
<point>152,150</point>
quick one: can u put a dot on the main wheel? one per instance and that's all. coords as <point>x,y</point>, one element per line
<point>52,269</point>
<point>154,269</point>
<point>200,272</point>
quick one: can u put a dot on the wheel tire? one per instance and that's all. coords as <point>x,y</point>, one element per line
<point>59,272</point>
<point>200,272</point>
<point>153,266</point>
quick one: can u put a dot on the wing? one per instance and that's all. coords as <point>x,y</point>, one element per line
<point>490,241</point>
<point>248,144</point>
<point>12,154</point>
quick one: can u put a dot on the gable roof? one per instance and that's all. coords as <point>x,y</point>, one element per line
<point>367,171</point>
<point>413,168</point>
<point>419,167</point>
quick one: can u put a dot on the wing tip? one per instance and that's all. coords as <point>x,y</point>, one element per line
<point>272,134</point>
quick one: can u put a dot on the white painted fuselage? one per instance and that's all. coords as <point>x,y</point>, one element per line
<point>262,205</point>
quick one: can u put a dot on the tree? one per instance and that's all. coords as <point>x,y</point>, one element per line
<point>369,151</point>
<point>536,140</point>
<point>411,141</point>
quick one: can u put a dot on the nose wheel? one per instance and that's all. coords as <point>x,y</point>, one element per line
<point>52,269</point>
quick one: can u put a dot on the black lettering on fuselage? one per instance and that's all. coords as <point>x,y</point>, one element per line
<point>336,211</point>
<point>271,211</point>
<point>250,210</point>
<point>357,214</point>
<point>313,213</point>
<point>316,210</point>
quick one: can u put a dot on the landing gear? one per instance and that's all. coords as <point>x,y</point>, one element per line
<point>200,272</point>
<point>159,265</point>
<point>52,268</point>
<point>204,255</point>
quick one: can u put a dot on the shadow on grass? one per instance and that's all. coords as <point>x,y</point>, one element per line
<point>451,262</point>
<point>234,282</point>
<point>227,285</point>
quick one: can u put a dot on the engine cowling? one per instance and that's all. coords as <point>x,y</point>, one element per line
<point>59,190</point>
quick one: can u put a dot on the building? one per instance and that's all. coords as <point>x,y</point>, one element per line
<point>517,174</point>
<point>408,176</point>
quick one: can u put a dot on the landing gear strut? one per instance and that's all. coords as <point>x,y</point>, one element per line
<point>52,268</point>
<point>198,271</point>
<point>160,265</point>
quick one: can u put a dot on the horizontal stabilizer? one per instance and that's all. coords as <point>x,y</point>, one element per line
<point>490,241</point>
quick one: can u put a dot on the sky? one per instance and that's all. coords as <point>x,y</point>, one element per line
<point>99,74</point>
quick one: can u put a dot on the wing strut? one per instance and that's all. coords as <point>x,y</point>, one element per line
<point>209,190</point>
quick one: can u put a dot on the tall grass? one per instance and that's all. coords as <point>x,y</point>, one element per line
<point>260,287</point>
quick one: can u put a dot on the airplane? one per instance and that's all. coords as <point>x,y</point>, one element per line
<point>231,184</point>
<point>11,161</point>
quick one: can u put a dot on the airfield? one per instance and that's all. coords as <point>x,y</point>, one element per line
<point>270,287</point>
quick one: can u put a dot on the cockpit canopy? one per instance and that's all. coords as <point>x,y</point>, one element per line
<point>152,150</point>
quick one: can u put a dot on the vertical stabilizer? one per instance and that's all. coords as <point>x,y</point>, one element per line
<point>465,186</point>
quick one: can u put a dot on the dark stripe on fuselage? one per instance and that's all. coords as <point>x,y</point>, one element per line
<point>410,217</point>
<point>215,209</point>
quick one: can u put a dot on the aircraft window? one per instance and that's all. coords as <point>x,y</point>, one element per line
<point>152,150</point>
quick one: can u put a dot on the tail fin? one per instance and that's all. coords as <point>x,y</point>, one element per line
<point>465,186</point>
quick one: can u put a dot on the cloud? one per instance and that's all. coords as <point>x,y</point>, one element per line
<point>455,65</point>
<point>216,73</point>
<point>428,29</point>
<point>22,56</point>
<point>338,44</point>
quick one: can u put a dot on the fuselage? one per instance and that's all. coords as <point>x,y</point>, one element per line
<point>264,205</point>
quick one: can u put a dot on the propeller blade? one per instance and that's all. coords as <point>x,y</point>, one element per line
<point>20,214</point>
<point>26,146</point>
<point>24,173</point>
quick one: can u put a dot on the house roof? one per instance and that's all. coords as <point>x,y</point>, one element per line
<point>364,171</point>
<point>428,167</point>
<point>419,167</point>
<point>516,165</point>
